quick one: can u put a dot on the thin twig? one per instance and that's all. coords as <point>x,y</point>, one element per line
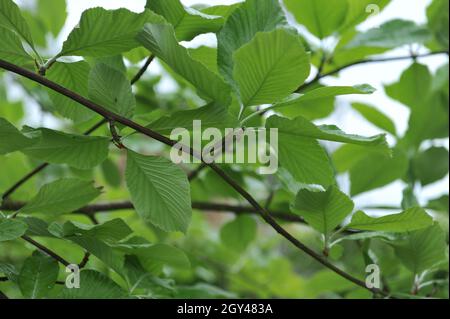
<point>46,250</point>
<point>109,115</point>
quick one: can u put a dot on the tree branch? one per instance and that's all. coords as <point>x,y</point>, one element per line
<point>91,130</point>
<point>46,250</point>
<point>365,61</point>
<point>154,135</point>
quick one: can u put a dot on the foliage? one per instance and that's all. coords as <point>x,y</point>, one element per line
<point>91,188</point>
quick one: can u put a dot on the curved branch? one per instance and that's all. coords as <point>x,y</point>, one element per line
<point>365,61</point>
<point>46,250</point>
<point>91,130</point>
<point>154,135</point>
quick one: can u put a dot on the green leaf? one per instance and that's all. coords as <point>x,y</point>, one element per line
<point>61,197</point>
<point>11,229</point>
<point>377,170</point>
<point>53,14</point>
<point>413,88</point>
<point>187,22</point>
<point>300,127</point>
<point>438,21</point>
<point>392,34</point>
<point>10,18</point>
<point>110,231</point>
<point>411,219</point>
<point>270,67</point>
<point>11,139</point>
<point>94,285</point>
<point>160,40</point>
<point>422,249</point>
<point>111,89</point>
<point>324,211</point>
<point>11,49</point>
<point>358,11</point>
<point>111,173</point>
<point>77,151</point>
<point>73,76</point>
<point>239,233</point>
<point>106,32</point>
<point>431,165</point>
<point>314,96</point>
<point>210,115</point>
<point>160,191</point>
<point>38,276</point>
<point>207,56</point>
<point>348,155</point>
<point>243,24</point>
<point>376,117</point>
<point>10,272</point>
<point>321,17</point>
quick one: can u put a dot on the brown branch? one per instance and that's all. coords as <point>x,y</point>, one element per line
<point>365,61</point>
<point>107,114</point>
<point>91,130</point>
<point>46,250</point>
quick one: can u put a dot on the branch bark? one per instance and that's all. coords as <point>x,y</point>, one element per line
<point>111,116</point>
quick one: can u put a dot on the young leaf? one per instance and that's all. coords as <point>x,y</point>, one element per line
<point>161,41</point>
<point>11,49</point>
<point>411,219</point>
<point>38,276</point>
<point>376,117</point>
<point>94,285</point>
<point>187,22</point>
<point>239,233</point>
<point>431,165</point>
<point>73,76</point>
<point>77,151</point>
<point>358,11</point>
<point>160,191</point>
<point>321,17</point>
<point>377,170</point>
<point>61,197</point>
<point>324,211</point>
<point>249,18</point>
<point>110,88</point>
<point>10,18</point>
<point>111,231</point>
<point>392,34</point>
<point>422,249</point>
<point>106,32</point>
<point>11,229</point>
<point>438,21</point>
<point>270,67</point>
<point>11,139</point>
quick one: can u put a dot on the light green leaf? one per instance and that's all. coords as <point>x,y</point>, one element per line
<point>106,32</point>
<point>10,18</point>
<point>207,56</point>
<point>413,87</point>
<point>94,285</point>
<point>392,34</point>
<point>321,17</point>
<point>73,76</point>
<point>239,233</point>
<point>160,191</point>
<point>53,14</point>
<point>438,21</point>
<point>111,173</point>
<point>440,204</point>
<point>411,219</point>
<point>376,117</point>
<point>249,18</point>
<point>300,127</point>
<point>324,211</point>
<point>11,139</point>
<point>77,151</point>
<point>61,197</point>
<point>187,22</point>
<point>111,89</point>
<point>348,155</point>
<point>422,249</point>
<point>38,276</point>
<point>431,165</point>
<point>358,11</point>
<point>377,170</point>
<point>154,257</point>
<point>210,115</point>
<point>270,67</point>
<point>11,49</point>
<point>11,229</point>
<point>160,40</point>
